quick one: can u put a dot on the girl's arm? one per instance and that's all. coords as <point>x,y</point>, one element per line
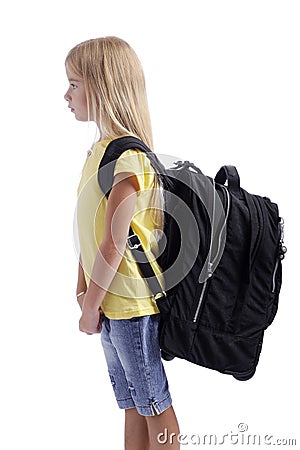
<point>120,209</point>
<point>81,283</point>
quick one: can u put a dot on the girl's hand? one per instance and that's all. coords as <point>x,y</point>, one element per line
<point>90,322</point>
<point>80,300</point>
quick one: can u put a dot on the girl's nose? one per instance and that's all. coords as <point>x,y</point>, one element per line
<point>67,96</point>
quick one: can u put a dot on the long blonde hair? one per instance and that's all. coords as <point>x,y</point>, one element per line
<point>116,96</point>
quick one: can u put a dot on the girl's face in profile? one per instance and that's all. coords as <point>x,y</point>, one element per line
<point>76,96</point>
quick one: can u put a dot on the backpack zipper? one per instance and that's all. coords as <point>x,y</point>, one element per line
<point>282,251</point>
<point>259,238</point>
<point>227,196</point>
<point>211,261</point>
<point>274,277</point>
<point>200,301</point>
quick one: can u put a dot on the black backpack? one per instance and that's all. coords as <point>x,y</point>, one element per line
<point>221,256</point>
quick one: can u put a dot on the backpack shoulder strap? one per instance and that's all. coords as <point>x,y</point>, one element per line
<point>105,179</point>
<point>113,151</point>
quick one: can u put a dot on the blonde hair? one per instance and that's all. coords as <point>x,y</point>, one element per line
<point>116,96</point>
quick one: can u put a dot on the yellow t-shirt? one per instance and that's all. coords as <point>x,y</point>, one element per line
<point>128,295</point>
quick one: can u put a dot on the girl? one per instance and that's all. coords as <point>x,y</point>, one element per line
<point>106,85</point>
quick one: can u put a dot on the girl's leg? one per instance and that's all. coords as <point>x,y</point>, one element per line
<point>163,430</point>
<point>136,431</point>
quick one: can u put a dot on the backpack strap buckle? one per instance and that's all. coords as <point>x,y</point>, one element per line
<point>133,241</point>
<point>160,294</point>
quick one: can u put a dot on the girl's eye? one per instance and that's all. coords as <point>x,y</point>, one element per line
<point>73,86</point>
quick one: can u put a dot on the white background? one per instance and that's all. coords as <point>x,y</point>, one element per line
<point>223,85</point>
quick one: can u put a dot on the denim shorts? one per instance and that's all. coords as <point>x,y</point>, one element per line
<point>134,364</point>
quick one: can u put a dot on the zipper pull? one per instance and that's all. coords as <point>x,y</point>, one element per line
<point>282,248</point>
<point>179,164</point>
<point>209,270</point>
<point>281,223</point>
<point>282,251</point>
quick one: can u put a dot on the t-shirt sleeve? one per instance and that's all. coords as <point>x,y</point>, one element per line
<point>132,161</point>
